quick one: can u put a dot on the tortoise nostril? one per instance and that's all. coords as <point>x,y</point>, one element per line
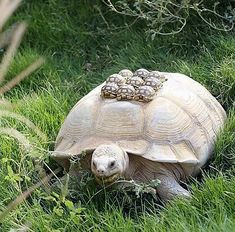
<point>100,170</point>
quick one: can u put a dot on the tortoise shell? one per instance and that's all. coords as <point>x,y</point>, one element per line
<point>109,90</point>
<point>135,81</point>
<point>126,73</point>
<point>116,78</point>
<point>144,93</point>
<point>125,92</point>
<point>178,126</point>
<point>141,73</point>
<point>158,75</point>
<point>153,82</point>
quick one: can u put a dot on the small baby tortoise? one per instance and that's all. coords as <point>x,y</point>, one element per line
<point>126,73</point>
<point>125,92</point>
<point>157,75</point>
<point>109,90</point>
<point>116,78</point>
<point>141,73</point>
<point>135,81</point>
<point>144,93</point>
<point>153,82</point>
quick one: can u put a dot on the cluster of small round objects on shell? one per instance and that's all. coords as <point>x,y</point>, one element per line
<point>141,85</point>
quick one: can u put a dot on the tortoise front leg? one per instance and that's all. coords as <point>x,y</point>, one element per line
<point>169,188</point>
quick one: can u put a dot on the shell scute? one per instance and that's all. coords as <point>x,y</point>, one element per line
<point>126,118</point>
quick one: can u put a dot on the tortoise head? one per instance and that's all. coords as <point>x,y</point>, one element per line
<point>108,163</point>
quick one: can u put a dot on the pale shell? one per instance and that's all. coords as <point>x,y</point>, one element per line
<point>179,125</point>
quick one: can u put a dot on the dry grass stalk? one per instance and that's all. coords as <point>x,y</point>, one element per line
<point>5,36</point>
<point>11,50</point>
<point>17,135</point>
<point>26,72</point>
<point>27,122</point>
<point>7,7</point>
<point>13,37</point>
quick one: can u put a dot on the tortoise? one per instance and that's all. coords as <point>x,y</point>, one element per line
<point>141,73</point>
<point>169,138</point>
<point>109,90</point>
<point>125,92</point>
<point>158,75</point>
<point>116,78</point>
<point>135,81</point>
<point>126,73</point>
<point>153,82</point>
<point>144,93</point>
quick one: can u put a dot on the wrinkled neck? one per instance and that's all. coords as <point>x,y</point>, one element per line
<point>144,170</point>
<point>126,163</point>
<point>130,168</point>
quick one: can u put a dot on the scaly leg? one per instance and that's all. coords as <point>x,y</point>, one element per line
<point>169,188</point>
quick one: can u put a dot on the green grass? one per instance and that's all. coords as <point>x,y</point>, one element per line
<point>69,36</point>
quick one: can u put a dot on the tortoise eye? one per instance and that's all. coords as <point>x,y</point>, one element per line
<point>111,165</point>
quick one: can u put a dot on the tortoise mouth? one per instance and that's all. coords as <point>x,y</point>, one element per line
<point>107,179</point>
